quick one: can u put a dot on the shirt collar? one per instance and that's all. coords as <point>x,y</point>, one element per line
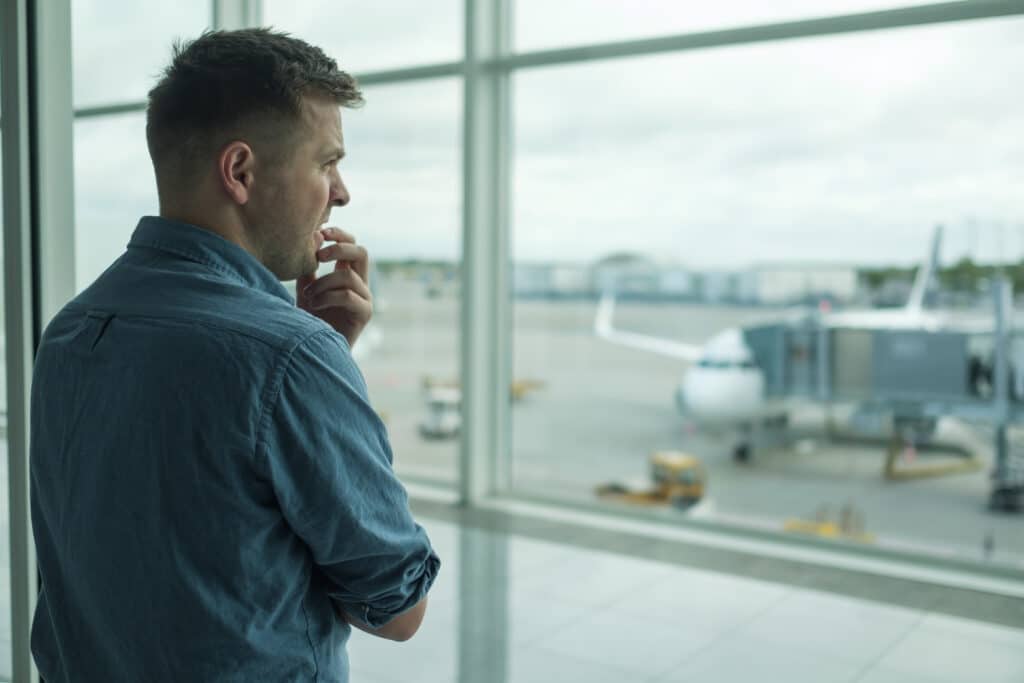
<point>185,240</point>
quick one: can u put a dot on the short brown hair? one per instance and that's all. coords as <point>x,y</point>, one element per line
<point>225,83</point>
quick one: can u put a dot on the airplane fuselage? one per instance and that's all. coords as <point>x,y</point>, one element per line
<point>722,393</point>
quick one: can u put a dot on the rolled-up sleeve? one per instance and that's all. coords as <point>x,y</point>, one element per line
<point>329,461</point>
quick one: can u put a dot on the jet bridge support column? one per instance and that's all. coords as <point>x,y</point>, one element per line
<point>1007,493</point>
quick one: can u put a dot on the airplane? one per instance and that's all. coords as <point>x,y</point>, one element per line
<point>723,388</point>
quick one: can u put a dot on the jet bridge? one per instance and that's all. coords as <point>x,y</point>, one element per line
<point>915,375</point>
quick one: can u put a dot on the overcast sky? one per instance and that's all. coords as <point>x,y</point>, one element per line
<point>843,148</point>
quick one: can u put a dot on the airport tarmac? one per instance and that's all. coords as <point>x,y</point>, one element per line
<point>603,409</point>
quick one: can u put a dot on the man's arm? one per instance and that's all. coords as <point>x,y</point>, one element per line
<point>401,628</point>
<point>327,455</point>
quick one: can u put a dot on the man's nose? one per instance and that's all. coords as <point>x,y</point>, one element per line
<point>340,195</point>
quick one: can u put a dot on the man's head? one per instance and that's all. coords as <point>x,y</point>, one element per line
<point>244,130</point>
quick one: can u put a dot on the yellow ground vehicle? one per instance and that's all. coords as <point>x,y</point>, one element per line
<point>518,389</point>
<point>679,480</point>
<point>847,526</point>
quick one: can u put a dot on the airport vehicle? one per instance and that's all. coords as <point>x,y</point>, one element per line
<point>444,399</point>
<point>679,480</point>
<point>848,526</point>
<point>443,418</point>
<point>519,389</point>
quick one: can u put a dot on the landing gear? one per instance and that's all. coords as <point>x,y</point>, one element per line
<point>1007,499</point>
<point>1008,477</point>
<point>744,448</point>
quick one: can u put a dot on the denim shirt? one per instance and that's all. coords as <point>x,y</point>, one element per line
<point>209,482</point>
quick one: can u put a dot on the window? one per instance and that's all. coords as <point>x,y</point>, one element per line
<point>114,187</point>
<point>402,170</point>
<point>119,47</point>
<point>371,37</point>
<point>713,188</point>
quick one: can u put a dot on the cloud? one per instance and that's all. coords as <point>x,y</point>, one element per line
<point>781,151</point>
<point>374,36</point>
<point>119,47</point>
<point>834,148</point>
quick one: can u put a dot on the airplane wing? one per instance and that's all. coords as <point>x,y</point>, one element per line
<point>604,329</point>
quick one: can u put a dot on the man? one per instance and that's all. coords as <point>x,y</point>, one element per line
<point>213,497</point>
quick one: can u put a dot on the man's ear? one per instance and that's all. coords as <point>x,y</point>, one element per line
<point>235,167</point>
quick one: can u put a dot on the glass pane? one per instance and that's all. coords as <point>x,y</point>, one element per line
<point>719,189</point>
<point>403,174</point>
<point>373,36</point>
<point>545,25</point>
<point>5,545</point>
<point>114,187</point>
<point>119,47</point>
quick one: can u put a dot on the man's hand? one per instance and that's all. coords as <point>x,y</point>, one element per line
<point>341,298</point>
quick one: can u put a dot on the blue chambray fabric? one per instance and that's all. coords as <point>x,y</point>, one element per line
<point>209,482</point>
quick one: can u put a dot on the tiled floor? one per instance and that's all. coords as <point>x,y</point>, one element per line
<point>510,609</point>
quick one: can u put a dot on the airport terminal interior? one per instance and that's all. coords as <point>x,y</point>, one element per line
<point>698,327</point>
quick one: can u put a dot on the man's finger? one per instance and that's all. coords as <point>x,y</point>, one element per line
<point>337,235</point>
<point>350,253</point>
<point>339,279</point>
<point>360,259</point>
<point>340,298</point>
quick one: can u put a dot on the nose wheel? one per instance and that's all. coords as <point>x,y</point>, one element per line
<point>744,448</point>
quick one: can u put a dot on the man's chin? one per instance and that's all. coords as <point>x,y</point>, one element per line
<point>309,266</point>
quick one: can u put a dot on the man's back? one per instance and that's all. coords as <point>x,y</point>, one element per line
<point>191,514</point>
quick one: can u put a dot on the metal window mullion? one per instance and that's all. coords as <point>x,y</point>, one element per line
<point>908,17</point>
<point>485,320</point>
<point>17,221</point>
<point>239,13</point>
<point>38,224</point>
<point>229,15</point>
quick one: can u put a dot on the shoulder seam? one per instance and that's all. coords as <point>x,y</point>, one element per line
<point>304,330</point>
<point>272,390</point>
